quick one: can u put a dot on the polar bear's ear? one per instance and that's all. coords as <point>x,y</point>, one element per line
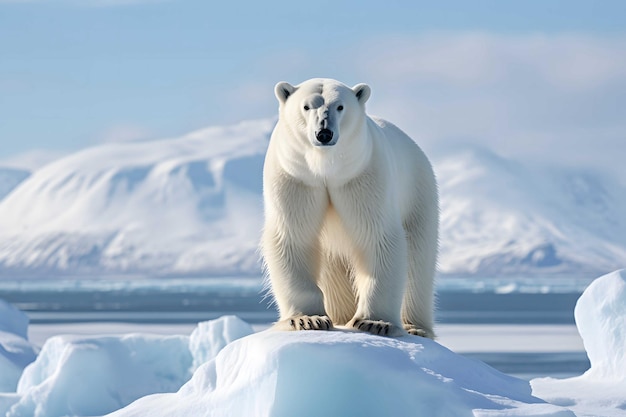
<point>283,90</point>
<point>362,92</point>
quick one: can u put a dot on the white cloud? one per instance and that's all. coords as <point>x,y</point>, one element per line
<point>570,62</point>
<point>551,97</point>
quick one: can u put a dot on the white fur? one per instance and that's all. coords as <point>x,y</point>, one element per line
<point>351,228</point>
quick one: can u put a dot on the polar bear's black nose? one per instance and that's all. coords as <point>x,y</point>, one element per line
<point>324,135</point>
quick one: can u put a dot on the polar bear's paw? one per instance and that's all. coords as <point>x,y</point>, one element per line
<point>378,327</point>
<point>305,323</point>
<point>417,331</point>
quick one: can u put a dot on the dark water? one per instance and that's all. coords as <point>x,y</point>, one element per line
<point>529,365</point>
<point>191,301</point>
<point>512,308</point>
<point>184,305</point>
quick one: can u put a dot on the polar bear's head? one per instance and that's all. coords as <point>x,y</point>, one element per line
<point>322,110</point>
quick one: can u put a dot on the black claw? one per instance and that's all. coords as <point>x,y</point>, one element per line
<point>310,323</point>
<point>301,324</point>
<point>319,323</point>
<point>386,330</point>
<point>361,324</point>
<point>369,328</point>
<point>292,322</point>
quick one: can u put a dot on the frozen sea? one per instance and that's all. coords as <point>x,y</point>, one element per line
<point>521,326</point>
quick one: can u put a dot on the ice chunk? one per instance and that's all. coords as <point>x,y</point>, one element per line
<point>95,375</point>
<point>212,336</point>
<point>601,319</point>
<point>15,350</point>
<point>340,373</point>
<point>99,374</point>
<point>13,320</point>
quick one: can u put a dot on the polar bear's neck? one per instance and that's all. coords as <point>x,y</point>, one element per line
<point>338,164</point>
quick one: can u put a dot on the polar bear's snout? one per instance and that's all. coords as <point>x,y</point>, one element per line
<point>324,136</point>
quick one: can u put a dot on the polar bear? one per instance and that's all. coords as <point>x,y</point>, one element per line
<point>351,216</point>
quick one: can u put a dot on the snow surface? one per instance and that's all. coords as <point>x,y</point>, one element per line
<point>601,320</point>
<point>343,373</point>
<point>193,206</point>
<point>223,369</point>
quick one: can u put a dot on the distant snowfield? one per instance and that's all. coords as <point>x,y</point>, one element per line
<point>192,206</point>
<point>225,369</point>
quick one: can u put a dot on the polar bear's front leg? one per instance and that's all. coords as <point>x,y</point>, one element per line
<point>380,254</point>
<point>380,279</point>
<point>293,219</point>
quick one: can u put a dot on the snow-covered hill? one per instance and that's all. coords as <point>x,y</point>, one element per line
<point>11,178</point>
<point>507,217</point>
<point>178,206</point>
<point>193,206</point>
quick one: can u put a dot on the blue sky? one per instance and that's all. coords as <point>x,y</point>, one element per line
<point>531,78</point>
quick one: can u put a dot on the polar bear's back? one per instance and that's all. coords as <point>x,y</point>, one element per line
<point>412,172</point>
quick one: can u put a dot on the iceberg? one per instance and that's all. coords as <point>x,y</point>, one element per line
<point>95,375</point>
<point>15,350</point>
<point>601,320</point>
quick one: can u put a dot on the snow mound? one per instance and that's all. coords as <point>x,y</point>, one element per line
<point>15,350</point>
<point>343,373</point>
<point>85,376</point>
<point>601,320</point>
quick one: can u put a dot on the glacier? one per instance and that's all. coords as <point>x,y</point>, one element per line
<point>225,369</point>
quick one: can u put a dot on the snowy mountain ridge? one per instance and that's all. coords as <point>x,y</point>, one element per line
<point>10,178</point>
<point>507,217</point>
<point>193,206</point>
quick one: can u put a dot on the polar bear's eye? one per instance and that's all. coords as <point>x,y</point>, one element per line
<point>340,108</point>
<point>306,108</point>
